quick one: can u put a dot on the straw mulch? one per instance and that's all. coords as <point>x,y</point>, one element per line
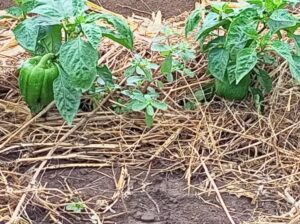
<point>252,155</point>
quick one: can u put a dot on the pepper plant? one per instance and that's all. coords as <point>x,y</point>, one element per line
<point>239,42</point>
<point>64,34</point>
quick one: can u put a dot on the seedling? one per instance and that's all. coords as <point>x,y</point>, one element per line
<point>140,71</point>
<point>145,102</point>
<point>176,56</point>
<point>75,206</point>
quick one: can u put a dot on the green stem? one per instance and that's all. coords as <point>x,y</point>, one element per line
<point>45,59</point>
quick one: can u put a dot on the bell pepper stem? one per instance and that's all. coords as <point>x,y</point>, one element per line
<point>45,59</point>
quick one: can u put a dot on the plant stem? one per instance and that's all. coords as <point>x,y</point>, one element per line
<point>45,59</point>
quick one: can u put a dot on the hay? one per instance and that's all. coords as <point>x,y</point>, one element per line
<point>254,156</point>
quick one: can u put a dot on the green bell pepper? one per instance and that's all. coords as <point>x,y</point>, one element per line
<point>36,77</point>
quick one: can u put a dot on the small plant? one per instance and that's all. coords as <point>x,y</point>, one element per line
<point>140,71</point>
<point>145,102</point>
<point>176,56</point>
<point>75,206</point>
<point>240,41</point>
<point>65,37</point>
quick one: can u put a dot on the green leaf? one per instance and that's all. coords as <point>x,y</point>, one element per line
<point>26,34</point>
<point>52,38</point>
<point>59,9</point>
<point>246,61</point>
<point>140,71</point>
<point>166,67</point>
<point>76,207</point>
<point>93,33</point>
<point>218,42</point>
<point>15,11</point>
<point>79,59</point>
<point>193,20</point>
<point>281,19</point>
<point>210,23</point>
<point>283,49</point>
<point>139,105</point>
<point>79,6</point>
<point>27,5</point>
<point>237,33</point>
<point>130,71</point>
<point>105,74</point>
<point>189,72</point>
<point>150,110</point>
<point>120,33</point>
<point>256,2</point>
<point>159,105</point>
<point>295,68</point>
<point>160,47</point>
<point>231,67</point>
<point>265,81</point>
<point>133,80</point>
<point>217,62</point>
<point>297,43</point>
<point>270,5</point>
<point>67,98</point>
<point>149,120</point>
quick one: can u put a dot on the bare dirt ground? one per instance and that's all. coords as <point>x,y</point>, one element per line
<point>173,173</point>
<point>168,8</point>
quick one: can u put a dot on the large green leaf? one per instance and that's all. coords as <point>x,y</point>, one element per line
<point>281,19</point>
<point>283,49</point>
<point>217,62</point>
<point>193,21</point>
<point>245,62</point>
<point>26,34</point>
<point>212,21</point>
<point>59,9</point>
<point>237,34</point>
<point>93,33</point>
<point>79,59</point>
<point>121,32</point>
<point>67,98</point>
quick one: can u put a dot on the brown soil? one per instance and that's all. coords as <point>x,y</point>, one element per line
<point>158,199</point>
<point>168,8</point>
<point>4,4</point>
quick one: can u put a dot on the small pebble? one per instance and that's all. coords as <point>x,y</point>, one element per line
<point>148,217</point>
